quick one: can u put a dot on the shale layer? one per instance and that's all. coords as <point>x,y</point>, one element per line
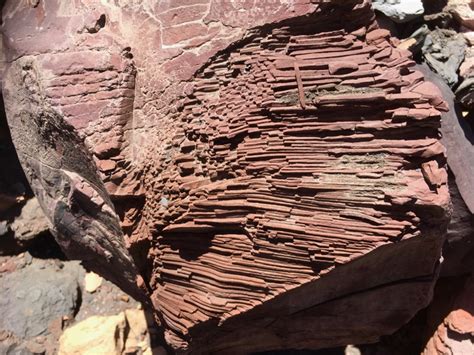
<point>269,174</point>
<point>296,151</point>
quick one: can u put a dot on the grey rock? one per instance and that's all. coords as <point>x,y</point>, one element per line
<point>465,93</point>
<point>399,10</point>
<point>444,51</point>
<point>34,296</point>
<point>31,222</point>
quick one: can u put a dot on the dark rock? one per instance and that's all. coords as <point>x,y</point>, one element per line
<point>465,91</point>
<point>458,250</point>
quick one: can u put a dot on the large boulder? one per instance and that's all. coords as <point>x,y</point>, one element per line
<point>266,175</point>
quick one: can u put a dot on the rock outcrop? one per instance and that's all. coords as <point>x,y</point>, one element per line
<point>253,170</point>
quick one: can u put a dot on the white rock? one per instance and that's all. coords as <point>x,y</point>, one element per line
<point>95,335</point>
<point>399,10</point>
<point>92,282</point>
<point>125,333</point>
<point>138,337</point>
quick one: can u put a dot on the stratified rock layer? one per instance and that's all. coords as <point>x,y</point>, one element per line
<point>297,151</point>
<point>276,171</point>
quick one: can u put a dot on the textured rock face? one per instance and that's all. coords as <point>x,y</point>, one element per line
<point>31,221</point>
<point>257,170</point>
<point>29,307</point>
<point>444,52</point>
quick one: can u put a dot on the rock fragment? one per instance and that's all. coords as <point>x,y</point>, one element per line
<point>138,339</point>
<point>415,41</point>
<point>92,282</point>
<point>444,51</point>
<point>465,91</point>
<point>95,335</point>
<point>31,222</point>
<point>455,333</point>
<point>463,11</point>
<point>399,11</point>
<point>124,333</point>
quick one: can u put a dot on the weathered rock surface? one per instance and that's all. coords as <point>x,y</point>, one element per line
<point>31,222</point>
<point>400,10</point>
<point>458,138</point>
<point>463,11</point>
<point>257,170</point>
<point>124,333</point>
<point>444,51</point>
<point>107,300</point>
<point>34,296</point>
<point>455,315</point>
<point>465,91</point>
<point>95,335</point>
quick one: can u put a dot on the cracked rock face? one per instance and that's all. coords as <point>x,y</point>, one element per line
<point>268,175</point>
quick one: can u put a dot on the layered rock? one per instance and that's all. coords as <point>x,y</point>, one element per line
<point>400,11</point>
<point>452,315</point>
<point>256,170</point>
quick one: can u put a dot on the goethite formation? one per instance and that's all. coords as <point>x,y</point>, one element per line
<point>297,150</point>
